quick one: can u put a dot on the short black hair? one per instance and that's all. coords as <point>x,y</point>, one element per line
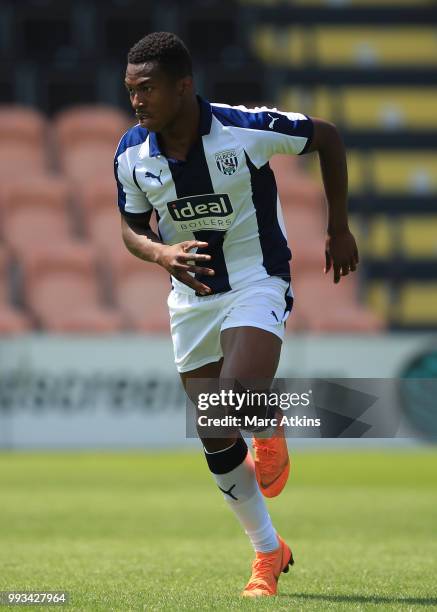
<point>165,48</point>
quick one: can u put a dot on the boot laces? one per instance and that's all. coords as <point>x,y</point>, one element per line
<point>269,455</point>
<point>262,572</point>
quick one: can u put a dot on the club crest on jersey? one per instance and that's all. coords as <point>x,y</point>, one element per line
<point>227,161</point>
<point>212,211</point>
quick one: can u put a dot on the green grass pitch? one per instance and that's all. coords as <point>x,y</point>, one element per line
<point>150,531</point>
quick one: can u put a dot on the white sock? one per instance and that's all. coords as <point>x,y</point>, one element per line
<point>241,491</point>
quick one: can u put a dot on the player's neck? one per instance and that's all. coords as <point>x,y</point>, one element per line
<point>177,139</point>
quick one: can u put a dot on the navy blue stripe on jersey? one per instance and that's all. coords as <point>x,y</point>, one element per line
<point>193,178</point>
<point>310,137</point>
<point>276,253</point>
<point>262,119</point>
<point>121,196</point>
<point>135,136</point>
<point>134,176</point>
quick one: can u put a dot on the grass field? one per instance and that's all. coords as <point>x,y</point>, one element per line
<point>151,532</point>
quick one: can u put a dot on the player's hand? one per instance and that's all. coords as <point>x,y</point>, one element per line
<point>178,260</point>
<point>341,254</point>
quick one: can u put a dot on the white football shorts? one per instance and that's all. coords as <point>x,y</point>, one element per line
<point>196,322</point>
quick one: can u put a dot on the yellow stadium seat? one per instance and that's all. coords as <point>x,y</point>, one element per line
<point>280,46</point>
<point>417,304</point>
<point>296,99</point>
<point>418,236</point>
<point>326,104</point>
<point>319,102</point>
<point>405,172</point>
<point>375,46</point>
<point>378,298</point>
<point>380,241</point>
<point>357,166</point>
<point>389,107</point>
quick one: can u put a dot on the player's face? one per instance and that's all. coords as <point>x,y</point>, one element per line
<point>155,96</point>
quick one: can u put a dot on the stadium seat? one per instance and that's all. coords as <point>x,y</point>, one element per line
<point>318,101</point>
<point>97,200</point>
<point>322,307</point>
<point>294,186</point>
<point>306,239</point>
<point>378,298</point>
<point>12,320</point>
<point>34,212</point>
<point>61,288</point>
<point>362,108</point>
<point>418,236</point>
<point>389,108</point>
<point>405,172</point>
<point>332,45</point>
<point>380,240</point>
<point>368,46</point>
<point>87,138</point>
<point>280,46</point>
<point>22,142</point>
<point>141,291</point>
<point>417,304</point>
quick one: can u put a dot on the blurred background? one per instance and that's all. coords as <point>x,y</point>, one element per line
<point>85,353</point>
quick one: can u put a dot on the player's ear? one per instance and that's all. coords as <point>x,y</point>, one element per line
<point>184,85</point>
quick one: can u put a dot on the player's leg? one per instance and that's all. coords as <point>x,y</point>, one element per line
<point>250,353</point>
<point>251,341</point>
<point>210,371</point>
<point>228,459</point>
<point>233,470</point>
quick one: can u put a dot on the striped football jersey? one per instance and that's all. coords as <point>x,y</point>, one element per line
<point>224,193</point>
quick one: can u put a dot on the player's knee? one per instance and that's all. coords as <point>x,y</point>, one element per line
<point>256,416</point>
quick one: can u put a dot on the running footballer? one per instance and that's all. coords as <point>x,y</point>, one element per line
<point>204,169</point>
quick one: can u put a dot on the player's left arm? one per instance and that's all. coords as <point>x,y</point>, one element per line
<point>341,251</point>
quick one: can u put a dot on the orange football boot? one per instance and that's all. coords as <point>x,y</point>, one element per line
<point>266,569</point>
<point>272,463</point>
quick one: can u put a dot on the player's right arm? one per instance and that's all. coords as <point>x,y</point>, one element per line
<point>177,259</point>
<point>142,242</point>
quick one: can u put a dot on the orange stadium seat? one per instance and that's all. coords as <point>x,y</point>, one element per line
<point>87,138</point>
<point>295,187</point>
<point>12,321</point>
<point>62,290</point>
<point>34,212</point>
<point>320,306</point>
<point>141,291</point>
<point>97,200</point>
<point>305,238</point>
<point>23,149</point>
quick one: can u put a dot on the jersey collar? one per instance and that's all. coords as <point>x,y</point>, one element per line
<point>204,126</point>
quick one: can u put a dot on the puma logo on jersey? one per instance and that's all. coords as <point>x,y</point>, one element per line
<point>272,122</point>
<point>154,176</point>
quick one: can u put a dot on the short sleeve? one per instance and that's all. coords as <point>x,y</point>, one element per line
<point>130,197</point>
<point>265,132</point>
